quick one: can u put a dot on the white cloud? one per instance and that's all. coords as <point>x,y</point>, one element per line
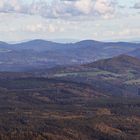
<point>84,6</point>
<point>51,28</point>
<point>59,8</point>
<point>1,4</point>
<point>9,6</point>
<point>34,28</point>
<point>41,27</point>
<point>104,6</point>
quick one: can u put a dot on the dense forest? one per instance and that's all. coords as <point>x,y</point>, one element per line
<point>52,109</point>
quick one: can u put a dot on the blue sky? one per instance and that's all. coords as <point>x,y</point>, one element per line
<point>69,19</point>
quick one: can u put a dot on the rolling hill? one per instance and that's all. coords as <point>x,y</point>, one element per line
<point>118,76</point>
<point>119,64</point>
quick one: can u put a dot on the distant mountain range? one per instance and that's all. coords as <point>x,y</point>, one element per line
<point>37,54</point>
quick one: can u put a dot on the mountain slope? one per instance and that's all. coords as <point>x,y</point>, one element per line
<point>135,53</point>
<point>119,64</point>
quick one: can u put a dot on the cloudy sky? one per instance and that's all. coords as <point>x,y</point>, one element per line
<point>69,19</point>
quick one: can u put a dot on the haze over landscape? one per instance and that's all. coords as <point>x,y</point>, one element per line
<point>69,70</point>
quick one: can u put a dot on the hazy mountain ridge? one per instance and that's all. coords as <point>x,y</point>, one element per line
<point>46,54</point>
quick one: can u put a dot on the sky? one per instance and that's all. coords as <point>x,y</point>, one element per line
<point>69,19</point>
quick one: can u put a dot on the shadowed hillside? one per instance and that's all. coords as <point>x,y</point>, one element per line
<point>119,64</point>
<point>118,75</point>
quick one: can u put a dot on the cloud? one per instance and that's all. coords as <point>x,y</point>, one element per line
<point>103,6</point>
<point>34,28</point>
<point>10,6</point>
<point>41,28</point>
<point>59,8</point>
<point>84,6</point>
<point>136,5</point>
<point>24,26</point>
